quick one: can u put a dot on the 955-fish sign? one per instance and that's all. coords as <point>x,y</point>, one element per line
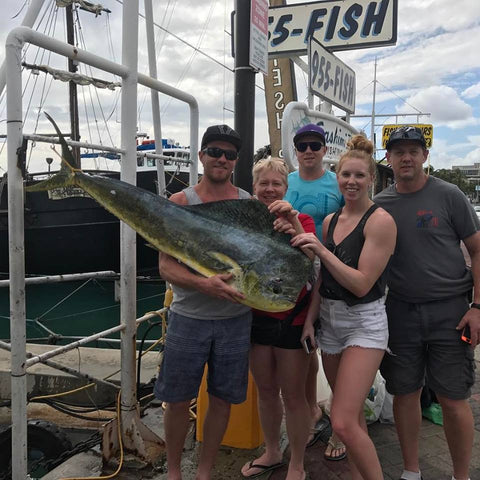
<point>336,24</point>
<point>330,78</point>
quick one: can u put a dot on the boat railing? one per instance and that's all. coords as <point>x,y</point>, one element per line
<point>80,341</point>
<point>68,277</point>
<point>128,72</point>
<point>104,148</point>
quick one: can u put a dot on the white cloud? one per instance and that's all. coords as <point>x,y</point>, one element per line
<point>474,139</point>
<point>428,15</point>
<point>445,106</point>
<point>472,92</point>
<point>473,157</point>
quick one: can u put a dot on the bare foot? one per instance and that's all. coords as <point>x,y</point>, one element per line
<point>336,449</point>
<point>316,416</point>
<point>294,474</point>
<point>320,430</point>
<point>174,476</point>
<point>262,464</point>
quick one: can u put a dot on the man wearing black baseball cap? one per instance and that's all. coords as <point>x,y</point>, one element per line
<point>427,303</point>
<point>206,322</point>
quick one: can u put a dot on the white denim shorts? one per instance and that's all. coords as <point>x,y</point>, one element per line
<point>364,325</point>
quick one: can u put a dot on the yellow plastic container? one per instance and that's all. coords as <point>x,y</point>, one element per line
<point>243,429</point>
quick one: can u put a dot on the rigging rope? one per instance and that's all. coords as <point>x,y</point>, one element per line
<point>194,53</point>
<point>158,49</point>
<point>81,38</point>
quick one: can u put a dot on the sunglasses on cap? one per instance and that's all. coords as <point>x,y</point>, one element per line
<point>216,152</point>
<point>406,133</point>
<point>314,146</point>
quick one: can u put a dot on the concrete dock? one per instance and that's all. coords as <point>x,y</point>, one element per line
<point>435,459</point>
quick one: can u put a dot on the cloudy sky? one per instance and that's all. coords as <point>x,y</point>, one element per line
<point>433,68</point>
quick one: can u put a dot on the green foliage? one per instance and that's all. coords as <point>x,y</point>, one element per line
<point>455,176</point>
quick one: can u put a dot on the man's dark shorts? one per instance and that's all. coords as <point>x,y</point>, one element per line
<point>223,344</point>
<point>423,341</point>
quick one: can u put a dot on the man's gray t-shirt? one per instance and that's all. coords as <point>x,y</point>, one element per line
<point>428,263</point>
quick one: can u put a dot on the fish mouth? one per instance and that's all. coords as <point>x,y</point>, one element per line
<point>276,303</point>
<point>272,305</point>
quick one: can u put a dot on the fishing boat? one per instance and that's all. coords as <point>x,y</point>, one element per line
<point>68,232</point>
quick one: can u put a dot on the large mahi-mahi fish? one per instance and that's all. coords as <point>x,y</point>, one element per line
<point>233,236</point>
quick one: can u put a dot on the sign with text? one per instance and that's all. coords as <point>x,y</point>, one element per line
<point>258,35</point>
<point>336,24</point>
<point>337,132</point>
<point>279,91</point>
<point>330,78</point>
<point>426,129</point>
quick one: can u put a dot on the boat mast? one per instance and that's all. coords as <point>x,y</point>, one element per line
<point>72,86</point>
<point>372,130</point>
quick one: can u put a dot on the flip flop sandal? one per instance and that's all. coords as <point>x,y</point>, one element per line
<point>263,468</point>
<point>335,445</point>
<point>321,431</point>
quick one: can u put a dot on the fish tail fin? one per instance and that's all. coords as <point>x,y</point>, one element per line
<point>66,176</point>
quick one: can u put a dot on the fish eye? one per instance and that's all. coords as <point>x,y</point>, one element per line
<point>276,285</point>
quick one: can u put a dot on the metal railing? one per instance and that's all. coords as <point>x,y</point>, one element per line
<point>130,77</point>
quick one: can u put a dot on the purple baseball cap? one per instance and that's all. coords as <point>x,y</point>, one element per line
<point>310,129</point>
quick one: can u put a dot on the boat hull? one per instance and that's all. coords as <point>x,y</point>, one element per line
<point>76,234</point>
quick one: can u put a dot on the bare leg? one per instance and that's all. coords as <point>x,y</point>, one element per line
<point>408,418</point>
<point>263,367</point>
<point>292,366</point>
<point>311,388</point>
<point>330,366</point>
<point>354,377</point>
<point>214,427</point>
<point>176,421</point>
<point>458,426</point>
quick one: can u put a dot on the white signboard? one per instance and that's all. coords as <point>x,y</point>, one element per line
<point>336,24</point>
<point>337,132</point>
<point>258,35</point>
<point>330,78</point>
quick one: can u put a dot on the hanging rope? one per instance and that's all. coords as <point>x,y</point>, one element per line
<point>78,78</point>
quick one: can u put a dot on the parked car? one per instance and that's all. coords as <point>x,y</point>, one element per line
<point>477,210</point>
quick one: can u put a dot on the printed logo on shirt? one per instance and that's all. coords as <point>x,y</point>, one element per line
<point>426,219</point>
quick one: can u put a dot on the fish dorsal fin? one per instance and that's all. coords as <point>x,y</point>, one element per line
<point>246,214</point>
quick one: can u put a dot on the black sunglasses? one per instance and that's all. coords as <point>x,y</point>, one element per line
<point>314,146</point>
<point>216,152</point>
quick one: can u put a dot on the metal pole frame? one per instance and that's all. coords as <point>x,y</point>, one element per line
<point>14,44</point>
<point>28,21</point>
<point>128,240</point>
<point>157,125</point>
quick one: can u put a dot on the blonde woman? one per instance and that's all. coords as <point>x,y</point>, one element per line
<point>277,359</point>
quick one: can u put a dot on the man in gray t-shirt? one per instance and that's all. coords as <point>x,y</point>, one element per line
<point>427,304</point>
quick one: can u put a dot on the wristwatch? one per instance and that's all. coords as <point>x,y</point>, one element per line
<point>475,305</point>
